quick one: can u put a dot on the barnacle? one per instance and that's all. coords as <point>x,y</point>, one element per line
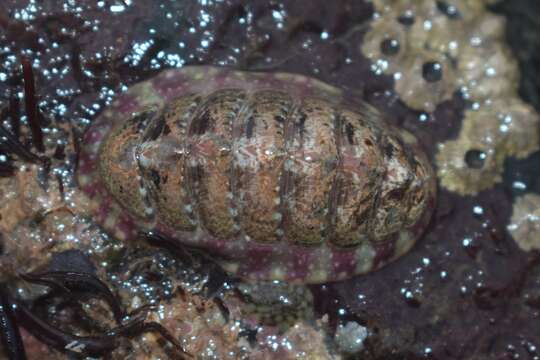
<point>412,43</point>
<point>474,161</point>
<point>428,81</point>
<point>440,47</point>
<point>486,68</point>
<point>525,222</point>
<point>444,47</point>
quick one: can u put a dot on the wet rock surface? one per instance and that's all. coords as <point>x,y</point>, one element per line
<point>465,291</point>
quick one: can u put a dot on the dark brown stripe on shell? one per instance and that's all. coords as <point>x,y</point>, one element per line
<point>337,184</point>
<point>244,111</point>
<point>285,186</point>
<point>173,202</point>
<point>192,174</point>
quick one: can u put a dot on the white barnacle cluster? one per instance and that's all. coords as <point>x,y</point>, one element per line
<point>435,49</point>
<point>525,223</point>
<point>350,337</point>
<point>473,162</point>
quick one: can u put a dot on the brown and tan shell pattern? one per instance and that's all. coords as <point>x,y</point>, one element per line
<point>275,174</point>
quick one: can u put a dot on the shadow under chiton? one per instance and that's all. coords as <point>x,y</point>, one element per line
<point>279,176</point>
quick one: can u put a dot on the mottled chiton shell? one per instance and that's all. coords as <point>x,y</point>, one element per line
<point>276,174</point>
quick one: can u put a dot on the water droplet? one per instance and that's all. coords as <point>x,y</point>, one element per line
<point>423,117</point>
<point>478,210</point>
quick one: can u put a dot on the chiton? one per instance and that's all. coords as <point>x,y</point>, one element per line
<point>279,176</point>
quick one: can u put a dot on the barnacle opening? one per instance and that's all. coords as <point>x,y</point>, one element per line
<point>475,159</point>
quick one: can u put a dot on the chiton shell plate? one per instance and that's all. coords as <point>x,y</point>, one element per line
<point>279,176</point>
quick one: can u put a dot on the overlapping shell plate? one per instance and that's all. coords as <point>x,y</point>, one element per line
<point>279,175</point>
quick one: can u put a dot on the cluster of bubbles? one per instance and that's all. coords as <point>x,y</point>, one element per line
<point>436,50</point>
